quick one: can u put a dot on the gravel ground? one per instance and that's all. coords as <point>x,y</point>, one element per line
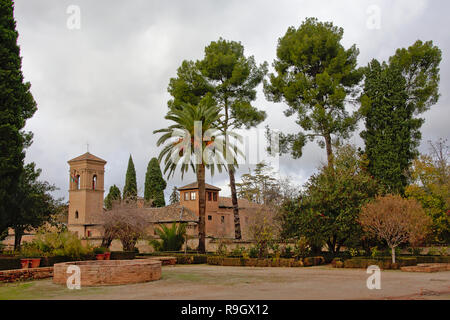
<point>216,282</point>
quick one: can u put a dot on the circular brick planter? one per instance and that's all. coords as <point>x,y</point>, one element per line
<point>110,272</point>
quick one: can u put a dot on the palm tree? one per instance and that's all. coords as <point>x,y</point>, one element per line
<point>193,141</point>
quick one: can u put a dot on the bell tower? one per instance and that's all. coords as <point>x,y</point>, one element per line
<point>86,189</point>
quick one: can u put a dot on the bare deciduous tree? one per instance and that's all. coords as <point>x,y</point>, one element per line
<point>264,228</point>
<point>126,222</point>
<point>396,220</point>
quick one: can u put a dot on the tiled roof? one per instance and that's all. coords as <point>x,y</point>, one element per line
<point>87,156</point>
<point>171,213</point>
<point>226,202</point>
<point>194,185</point>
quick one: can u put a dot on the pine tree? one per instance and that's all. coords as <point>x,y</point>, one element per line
<point>174,196</point>
<point>16,106</point>
<point>154,184</point>
<point>113,195</point>
<point>130,188</point>
<point>315,75</point>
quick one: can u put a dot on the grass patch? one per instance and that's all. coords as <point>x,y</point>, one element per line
<point>43,289</point>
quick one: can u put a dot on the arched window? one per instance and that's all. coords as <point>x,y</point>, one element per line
<point>94,182</point>
<point>78,182</point>
<point>76,214</point>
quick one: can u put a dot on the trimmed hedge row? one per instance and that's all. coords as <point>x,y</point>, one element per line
<point>122,255</point>
<point>9,263</point>
<point>274,262</point>
<point>193,258</point>
<point>385,263</point>
<point>432,259</point>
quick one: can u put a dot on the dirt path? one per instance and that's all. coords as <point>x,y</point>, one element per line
<point>214,282</point>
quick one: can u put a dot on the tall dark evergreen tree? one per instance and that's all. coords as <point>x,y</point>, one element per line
<point>16,106</point>
<point>394,94</point>
<point>174,196</point>
<point>33,204</point>
<point>130,188</point>
<point>113,195</point>
<point>154,184</point>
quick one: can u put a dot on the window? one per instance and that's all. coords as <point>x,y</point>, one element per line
<point>215,196</point>
<point>193,194</point>
<point>186,196</point>
<point>209,196</point>
<point>94,182</point>
<point>222,219</point>
<point>209,218</point>
<point>78,182</point>
<point>89,234</point>
<point>76,214</point>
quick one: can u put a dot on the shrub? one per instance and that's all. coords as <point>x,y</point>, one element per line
<point>172,239</point>
<point>99,250</point>
<point>313,261</point>
<point>9,263</point>
<point>123,255</point>
<point>383,263</point>
<point>237,252</point>
<point>253,252</point>
<point>301,248</point>
<point>287,252</point>
<point>62,243</point>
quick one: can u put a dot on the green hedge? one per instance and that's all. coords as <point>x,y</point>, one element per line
<point>123,255</point>
<point>9,263</point>
<point>383,263</point>
<point>432,259</point>
<point>189,258</point>
<point>313,261</point>
<point>253,262</point>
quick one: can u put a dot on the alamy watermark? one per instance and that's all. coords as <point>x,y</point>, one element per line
<point>74,19</point>
<point>213,147</point>
<point>374,281</point>
<point>74,280</point>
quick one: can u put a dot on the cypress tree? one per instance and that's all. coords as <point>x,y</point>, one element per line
<point>394,94</point>
<point>114,194</point>
<point>16,106</point>
<point>130,188</point>
<point>174,196</point>
<point>154,184</point>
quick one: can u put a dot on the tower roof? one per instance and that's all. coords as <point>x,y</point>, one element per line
<point>87,156</point>
<point>194,185</point>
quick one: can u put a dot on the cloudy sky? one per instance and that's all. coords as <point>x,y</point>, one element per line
<point>105,83</point>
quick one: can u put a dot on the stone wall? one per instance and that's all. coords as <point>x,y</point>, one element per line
<point>26,274</point>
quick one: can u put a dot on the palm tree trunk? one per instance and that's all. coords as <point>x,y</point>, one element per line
<point>201,207</point>
<point>234,201</point>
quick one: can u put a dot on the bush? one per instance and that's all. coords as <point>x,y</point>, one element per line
<point>123,255</point>
<point>172,239</point>
<point>313,261</point>
<point>383,263</point>
<point>60,244</point>
<point>99,250</point>
<point>9,263</point>
<point>253,252</point>
<point>287,252</point>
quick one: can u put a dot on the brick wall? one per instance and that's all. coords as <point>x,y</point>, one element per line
<point>26,274</point>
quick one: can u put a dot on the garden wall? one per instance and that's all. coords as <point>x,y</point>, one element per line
<point>26,274</point>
